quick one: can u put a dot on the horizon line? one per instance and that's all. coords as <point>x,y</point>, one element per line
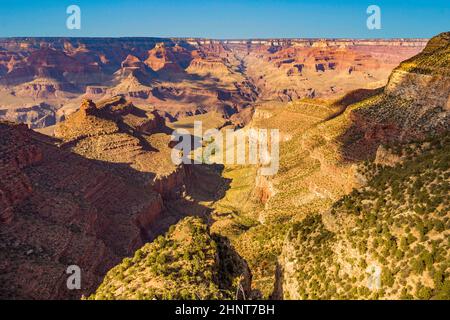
<point>214,39</point>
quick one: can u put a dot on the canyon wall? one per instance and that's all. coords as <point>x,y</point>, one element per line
<point>89,199</point>
<point>370,243</point>
<point>42,80</point>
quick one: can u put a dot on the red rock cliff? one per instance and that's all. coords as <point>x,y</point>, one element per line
<point>58,209</point>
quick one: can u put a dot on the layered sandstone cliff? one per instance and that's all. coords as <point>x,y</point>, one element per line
<point>414,104</point>
<point>60,209</point>
<point>290,70</point>
<point>182,77</point>
<point>118,132</point>
<point>295,246</point>
<point>386,239</point>
<point>89,199</point>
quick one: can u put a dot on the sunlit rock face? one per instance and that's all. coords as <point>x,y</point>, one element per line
<point>402,134</point>
<point>182,77</point>
<point>88,198</point>
<point>289,70</point>
<point>426,77</point>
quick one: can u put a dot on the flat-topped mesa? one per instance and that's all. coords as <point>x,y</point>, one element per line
<point>162,58</point>
<point>315,42</point>
<point>87,121</point>
<point>118,132</point>
<point>212,66</point>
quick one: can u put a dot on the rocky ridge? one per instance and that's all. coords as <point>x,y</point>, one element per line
<point>387,238</point>
<point>187,263</point>
<point>183,77</point>
<point>324,146</point>
<point>89,198</point>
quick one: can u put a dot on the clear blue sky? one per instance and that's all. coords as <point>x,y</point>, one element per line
<point>225,18</point>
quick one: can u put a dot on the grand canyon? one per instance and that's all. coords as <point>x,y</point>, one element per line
<point>87,178</point>
<point>44,80</point>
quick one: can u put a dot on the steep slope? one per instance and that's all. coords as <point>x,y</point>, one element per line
<point>388,237</point>
<point>42,80</point>
<point>358,209</point>
<point>59,209</point>
<point>118,132</point>
<point>186,263</point>
<point>322,145</point>
<point>386,240</point>
<point>89,199</point>
<point>414,104</point>
<point>257,211</point>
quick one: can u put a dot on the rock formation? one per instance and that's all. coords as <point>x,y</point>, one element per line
<point>59,209</point>
<point>180,77</point>
<point>290,71</point>
<point>361,191</point>
<point>386,239</point>
<point>118,132</point>
<point>187,263</point>
<point>357,176</point>
<point>89,199</point>
<point>413,105</point>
